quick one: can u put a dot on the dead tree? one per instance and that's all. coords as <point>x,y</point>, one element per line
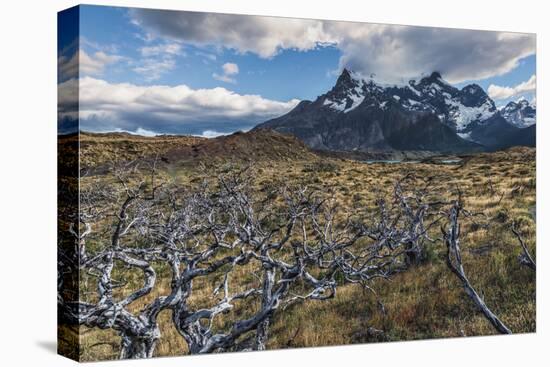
<point>451,237</point>
<point>268,248</point>
<point>414,210</point>
<point>301,245</point>
<point>116,249</point>
<point>297,246</point>
<point>525,258</point>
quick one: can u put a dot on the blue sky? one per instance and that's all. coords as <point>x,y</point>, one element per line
<point>150,71</point>
<point>309,72</point>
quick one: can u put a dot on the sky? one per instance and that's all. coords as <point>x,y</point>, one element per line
<point>155,71</point>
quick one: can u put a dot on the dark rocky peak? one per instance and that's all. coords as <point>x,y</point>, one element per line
<point>523,103</point>
<point>473,95</point>
<point>473,89</point>
<point>346,81</point>
<point>348,92</point>
<point>433,78</point>
<point>511,105</point>
<point>433,86</point>
<point>345,76</point>
<point>520,104</point>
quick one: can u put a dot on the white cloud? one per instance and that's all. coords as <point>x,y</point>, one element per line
<point>153,68</point>
<point>207,57</point>
<point>499,92</point>
<point>138,131</point>
<point>211,134</point>
<point>67,67</point>
<point>389,51</point>
<point>106,106</point>
<point>264,36</point>
<point>94,64</point>
<point>224,78</point>
<point>229,70</point>
<point>67,95</point>
<point>157,60</point>
<point>144,132</point>
<point>109,48</point>
<point>88,64</point>
<point>394,52</point>
<point>167,48</point>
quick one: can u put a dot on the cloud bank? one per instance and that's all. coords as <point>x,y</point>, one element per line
<point>498,92</point>
<point>389,51</point>
<point>90,64</point>
<point>264,36</point>
<point>178,109</point>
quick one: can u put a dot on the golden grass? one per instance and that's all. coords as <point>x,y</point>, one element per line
<point>425,301</point>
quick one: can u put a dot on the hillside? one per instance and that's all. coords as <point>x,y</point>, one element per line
<point>426,301</point>
<point>100,149</point>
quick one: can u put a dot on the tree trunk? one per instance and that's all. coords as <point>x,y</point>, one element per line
<point>454,262</point>
<point>139,346</point>
<point>262,331</point>
<point>262,334</point>
<point>195,338</point>
<point>489,315</point>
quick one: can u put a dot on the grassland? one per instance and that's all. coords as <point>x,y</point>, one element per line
<point>426,301</point>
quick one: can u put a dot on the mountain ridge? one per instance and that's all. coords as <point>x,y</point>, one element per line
<point>428,114</point>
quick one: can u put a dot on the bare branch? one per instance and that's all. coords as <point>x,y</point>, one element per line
<point>454,262</point>
<point>525,258</point>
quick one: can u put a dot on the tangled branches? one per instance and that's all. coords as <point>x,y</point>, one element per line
<point>230,260</point>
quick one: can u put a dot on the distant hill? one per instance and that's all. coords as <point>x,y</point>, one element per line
<point>102,148</point>
<point>259,145</point>
<point>427,115</point>
<point>265,145</point>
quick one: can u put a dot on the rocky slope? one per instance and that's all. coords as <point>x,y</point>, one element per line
<point>359,114</point>
<point>520,113</point>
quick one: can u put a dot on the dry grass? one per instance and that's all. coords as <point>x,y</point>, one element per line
<point>425,301</point>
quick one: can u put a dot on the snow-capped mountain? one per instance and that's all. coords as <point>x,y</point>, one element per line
<point>520,113</point>
<point>426,114</point>
<point>455,107</point>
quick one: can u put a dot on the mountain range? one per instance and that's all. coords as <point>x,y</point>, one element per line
<point>429,114</point>
<point>520,113</point>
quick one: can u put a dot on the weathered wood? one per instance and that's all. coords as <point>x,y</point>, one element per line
<point>218,229</point>
<point>525,258</point>
<point>454,262</point>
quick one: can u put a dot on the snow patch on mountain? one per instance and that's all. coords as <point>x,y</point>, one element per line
<point>335,105</point>
<point>465,136</point>
<point>458,108</point>
<point>519,113</point>
<point>357,98</point>
<point>414,90</point>
<point>463,116</point>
